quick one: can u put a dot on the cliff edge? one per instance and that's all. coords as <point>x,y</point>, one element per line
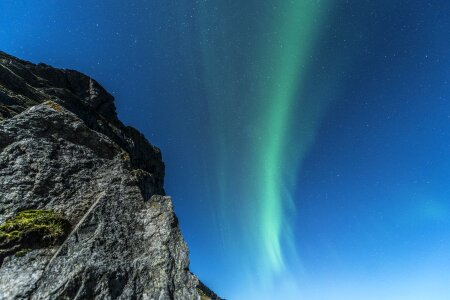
<point>82,208</point>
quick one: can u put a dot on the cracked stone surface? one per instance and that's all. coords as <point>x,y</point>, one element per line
<point>62,148</point>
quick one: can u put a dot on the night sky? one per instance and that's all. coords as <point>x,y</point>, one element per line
<point>306,141</point>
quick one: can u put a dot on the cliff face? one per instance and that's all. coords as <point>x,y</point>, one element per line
<point>81,196</point>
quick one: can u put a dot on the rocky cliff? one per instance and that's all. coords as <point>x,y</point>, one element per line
<point>82,208</point>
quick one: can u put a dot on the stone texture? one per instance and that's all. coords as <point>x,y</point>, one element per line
<point>62,148</point>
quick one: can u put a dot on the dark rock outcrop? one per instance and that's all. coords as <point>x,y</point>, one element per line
<point>63,149</point>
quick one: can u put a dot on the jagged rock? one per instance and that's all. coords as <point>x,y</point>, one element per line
<point>63,149</point>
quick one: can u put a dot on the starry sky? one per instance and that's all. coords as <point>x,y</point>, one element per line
<point>306,141</point>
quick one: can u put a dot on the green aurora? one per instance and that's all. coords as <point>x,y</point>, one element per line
<point>269,50</point>
<point>305,142</point>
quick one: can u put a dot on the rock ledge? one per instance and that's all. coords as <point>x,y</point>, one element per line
<point>63,149</point>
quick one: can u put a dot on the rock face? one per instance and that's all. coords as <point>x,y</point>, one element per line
<point>62,149</point>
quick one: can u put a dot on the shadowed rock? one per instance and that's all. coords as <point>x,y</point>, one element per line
<point>64,152</point>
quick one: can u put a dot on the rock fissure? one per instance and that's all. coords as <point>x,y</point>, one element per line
<point>75,229</point>
<point>61,147</point>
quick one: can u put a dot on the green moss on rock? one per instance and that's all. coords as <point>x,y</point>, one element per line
<point>23,252</point>
<point>31,229</point>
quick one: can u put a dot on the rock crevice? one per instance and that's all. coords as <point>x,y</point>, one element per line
<point>63,149</point>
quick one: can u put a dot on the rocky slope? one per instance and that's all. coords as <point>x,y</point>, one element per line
<point>82,208</point>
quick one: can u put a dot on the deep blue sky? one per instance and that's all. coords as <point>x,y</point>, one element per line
<point>370,210</point>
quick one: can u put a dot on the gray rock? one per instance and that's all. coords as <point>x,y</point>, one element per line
<point>63,149</point>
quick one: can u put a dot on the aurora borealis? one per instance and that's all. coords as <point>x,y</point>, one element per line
<point>306,141</point>
<point>274,66</point>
